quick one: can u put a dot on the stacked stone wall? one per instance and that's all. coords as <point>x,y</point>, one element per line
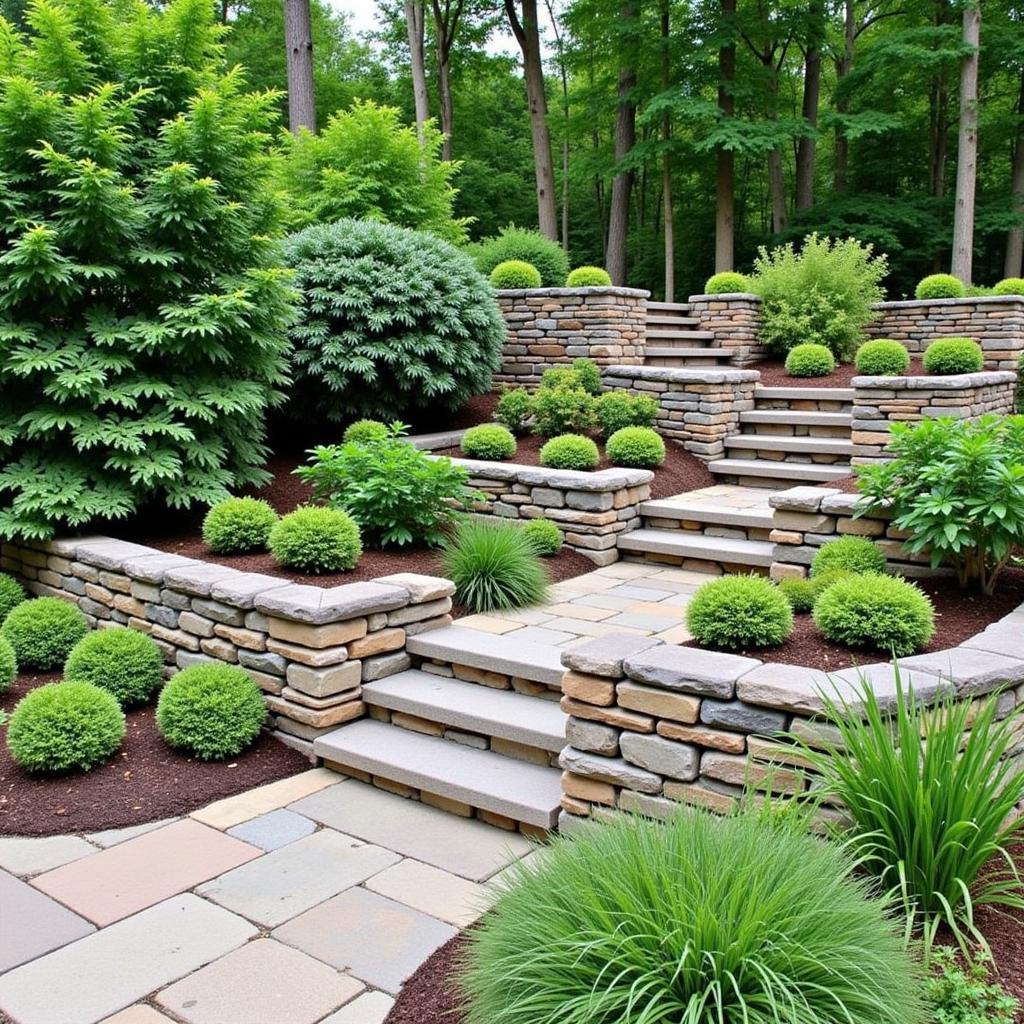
<point>735,321</point>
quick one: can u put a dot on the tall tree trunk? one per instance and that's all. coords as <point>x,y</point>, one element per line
<point>415,25</point>
<point>622,183</point>
<point>447,14</point>
<point>807,147</point>
<point>967,149</point>
<point>563,74</point>
<point>666,168</point>
<point>1015,236</point>
<point>938,115</point>
<point>527,33</point>
<point>843,67</point>
<point>298,41</point>
<point>725,185</point>
<point>777,186</point>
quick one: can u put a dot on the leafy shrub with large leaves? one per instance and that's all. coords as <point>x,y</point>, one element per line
<point>392,322</point>
<point>142,307</point>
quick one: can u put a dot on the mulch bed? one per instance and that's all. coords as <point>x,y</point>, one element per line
<point>144,781</point>
<point>773,375</point>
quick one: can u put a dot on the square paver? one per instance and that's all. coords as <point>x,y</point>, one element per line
<point>464,846</point>
<point>262,982</point>
<point>31,856</point>
<point>273,830</point>
<point>433,891</point>
<point>140,1013</point>
<point>126,878</point>
<point>235,809</point>
<point>113,836</point>
<point>90,979</point>
<point>376,939</point>
<point>298,876</point>
<point>33,924</point>
<point>371,1008</point>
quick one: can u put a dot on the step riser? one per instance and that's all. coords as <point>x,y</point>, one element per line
<point>838,433</point>
<point>489,678</point>
<point>698,529</point>
<point>800,458</point>
<point>709,567</point>
<point>782,405</point>
<point>684,361</point>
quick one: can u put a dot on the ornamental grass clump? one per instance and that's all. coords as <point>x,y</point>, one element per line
<point>544,536</point>
<point>123,661</point>
<point>949,356</point>
<point>588,277</point>
<point>515,274</point>
<point>570,451</point>
<point>635,447</point>
<point>12,593</point>
<point>810,361</point>
<point>697,920</point>
<point>882,358</point>
<point>739,612</point>
<point>43,631</point>
<point>940,286</point>
<point>488,441</point>
<point>316,540</point>
<point>238,525</point>
<point>848,554</point>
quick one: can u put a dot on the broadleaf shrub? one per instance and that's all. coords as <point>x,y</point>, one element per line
<point>737,612</point>
<point>122,661</point>
<point>882,358</point>
<point>810,360</point>
<point>727,282</point>
<point>940,286</point>
<point>849,554</point>
<point>1009,286</point>
<point>953,355</point>
<point>562,410</point>
<point>968,994</point>
<point>12,593</point>
<point>514,409</point>
<point>544,536</point>
<point>635,447</point>
<point>144,311</point>
<point>488,441</point>
<point>588,373</point>
<point>515,274</point>
<point>43,632</point>
<point>315,539</point>
<point>512,243</point>
<point>588,277</point>
<point>236,525</point>
<point>570,451</point>
<point>392,321</point>
<point>366,431</point>
<point>8,664</point>
<point>618,409</point>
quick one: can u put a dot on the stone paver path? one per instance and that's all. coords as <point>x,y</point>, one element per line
<point>305,901</point>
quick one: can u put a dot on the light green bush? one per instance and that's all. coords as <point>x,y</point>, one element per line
<point>562,410</point>
<point>800,593</point>
<point>618,409</point>
<point>316,540</point>
<point>727,282</point>
<point>11,594</point>
<point>940,286</point>
<point>122,661</point>
<point>849,554</point>
<point>810,361</point>
<point>8,664</point>
<point>882,358</point>
<point>236,525</point>
<point>588,277</point>
<point>570,451</point>
<point>514,409</point>
<point>512,243</point>
<point>953,355</point>
<point>588,373</point>
<point>366,432</point>
<point>1009,286</point>
<point>635,447</point>
<point>545,537</point>
<point>738,612</point>
<point>515,274</point>
<point>488,441</point>
<point>43,631</point>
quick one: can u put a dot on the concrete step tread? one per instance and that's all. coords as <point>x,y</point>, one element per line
<point>458,645</point>
<point>809,393</point>
<point>705,353</point>
<point>524,792</point>
<point>785,443</point>
<point>682,333</point>
<point>702,512</point>
<point>797,417</point>
<point>711,549</point>
<point>673,320</point>
<point>780,470</point>
<point>506,714</point>
<point>672,307</point>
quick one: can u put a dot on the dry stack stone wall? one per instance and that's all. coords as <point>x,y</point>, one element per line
<point>735,321</point>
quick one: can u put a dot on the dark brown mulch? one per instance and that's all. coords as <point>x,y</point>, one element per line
<point>773,375</point>
<point>144,781</point>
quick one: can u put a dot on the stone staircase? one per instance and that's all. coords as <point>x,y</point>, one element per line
<point>674,338</point>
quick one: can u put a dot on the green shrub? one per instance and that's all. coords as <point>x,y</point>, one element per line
<point>800,593</point>
<point>366,432</point>
<point>1018,406</point>
<point>396,494</point>
<point>850,554</point>
<point>727,282</point>
<point>489,441</point>
<point>562,410</point>
<point>637,447</point>
<point>9,664</point>
<point>882,358</point>
<point>618,409</point>
<point>514,409</point>
<point>957,487</point>
<point>123,661</point>
<point>940,286</point>
<point>60,727</point>
<point>739,612</point>
<point>544,536</point>
<point>515,274</point>
<point>1009,286</point>
<point>882,613</point>
<point>315,540</point>
<point>43,631</point>
<point>810,361</point>
<point>824,294</point>
<point>826,579</point>
<point>145,307</point>
<point>238,524</point>
<point>954,355</point>
<point>570,451</point>
<point>11,594</point>
<point>588,277</point>
<point>967,995</point>
<point>512,243</point>
<point>929,793</point>
<point>212,711</point>
<point>697,920</point>
<point>392,322</point>
<point>588,373</point>
<point>494,566</point>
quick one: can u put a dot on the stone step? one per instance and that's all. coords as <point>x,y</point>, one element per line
<point>681,334</point>
<point>806,394</point>
<point>695,356</point>
<point>672,320</point>
<point>785,443</point>
<point>527,793</point>
<point>726,550</point>
<point>783,472</point>
<point>669,307</point>
<point>456,645</point>
<point>531,721</point>
<point>702,512</point>
<point>797,418</point>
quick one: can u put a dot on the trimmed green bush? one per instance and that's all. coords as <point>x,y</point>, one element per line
<point>883,613</point>
<point>738,612</point>
<point>800,593</point>
<point>940,286</point>
<point>488,441</point>
<point>366,432</point>
<point>697,920</point>
<point>8,664</point>
<point>512,243</point>
<point>810,361</point>
<point>953,355</point>
<point>562,410</point>
<point>514,409</point>
<point>588,277</point>
<point>123,661</point>
<point>61,727</point>
<point>850,554</point>
<point>1009,286</point>
<point>618,409</point>
<point>212,711</point>
<point>315,540</point>
<point>588,373</point>
<point>726,282</point>
<point>515,274</point>
<point>545,537</point>
<point>11,594</point>
<point>882,358</point>
<point>570,451</point>
<point>635,447</point>
<point>494,566</point>
<point>43,632</point>
<point>236,525</point>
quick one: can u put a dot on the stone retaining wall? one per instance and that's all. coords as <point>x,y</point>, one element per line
<point>653,726</point>
<point>699,407</point>
<point>735,321</point>
<point>309,648</point>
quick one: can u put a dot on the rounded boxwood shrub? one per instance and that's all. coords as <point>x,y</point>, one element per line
<point>515,274</point>
<point>739,612</point>
<point>125,662</point>
<point>236,525</point>
<point>8,665</point>
<point>810,361</point>
<point>512,243</point>
<point>570,451</point>
<point>618,409</point>
<point>953,355</point>
<point>884,613</point>
<point>882,358</point>
<point>562,410</point>
<point>60,727</point>
<point>43,631</point>
<point>11,594</point>
<point>800,593</point>
<point>635,447</point>
<point>849,554</point>
<point>488,441</point>
<point>211,711</point>
<point>726,282</point>
<point>588,277</point>
<point>514,409</point>
<point>392,322</point>
<point>544,536</point>
<point>315,540</point>
<point>366,432</point>
<point>940,286</point>
<point>1009,286</point>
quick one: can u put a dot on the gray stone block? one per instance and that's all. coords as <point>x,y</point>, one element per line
<point>606,655</point>
<point>262,661</point>
<point>317,606</point>
<point>383,665</point>
<point>219,612</point>
<point>198,579</point>
<point>689,670</point>
<point>657,754</point>
<point>735,714</point>
<point>614,770</point>
<point>593,737</point>
<point>240,590</point>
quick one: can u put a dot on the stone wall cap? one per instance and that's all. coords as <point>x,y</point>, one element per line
<point>682,375</point>
<point>241,590</point>
<point>971,671</point>
<point>559,293</point>
<point>980,300</point>
<point>420,588</point>
<point>199,577</point>
<point>801,499</point>
<point>152,567</point>
<point>846,504</point>
<point>689,669</point>
<point>605,655</point>
<point>108,553</point>
<point>728,297</point>
<point>614,479</point>
<point>320,605</point>
<point>935,382</point>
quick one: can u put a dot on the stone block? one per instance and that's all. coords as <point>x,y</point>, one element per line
<point>592,736</point>
<point>323,682</point>
<point>707,673</point>
<point>742,717</point>
<point>318,637</point>
<point>613,770</point>
<point>661,755</point>
<point>658,703</point>
<point>604,656</point>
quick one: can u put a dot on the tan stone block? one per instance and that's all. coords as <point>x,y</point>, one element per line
<point>716,739</point>
<point>377,643</point>
<point>777,753</point>
<point>175,637</point>
<point>322,682</point>
<point>588,689</point>
<point>100,594</point>
<point>785,537</point>
<point>222,650</point>
<point>588,789</point>
<point>468,674</point>
<point>116,582</point>
<point>311,656</point>
<point>688,792</point>
<point>446,804</point>
<point>398,788</point>
<point>573,806</point>
<point>861,527</point>
<point>416,724</point>
<point>310,716</point>
<point>783,571</point>
<point>659,703</point>
<point>250,639</point>
<point>519,751</point>
<point>127,604</point>
<point>611,716</point>
<point>330,635</point>
<point>323,703</point>
<point>497,820</point>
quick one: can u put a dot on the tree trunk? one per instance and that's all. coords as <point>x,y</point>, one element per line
<point>938,114</point>
<point>967,150</point>
<point>777,185</point>
<point>298,41</point>
<point>807,147</point>
<point>725,185</point>
<point>843,67</point>
<point>666,169</point>
<point>1015,236</point>
<point>563,74</point>
<point>415,25</point>
<point>446,24</point>
<point>622,183</point>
